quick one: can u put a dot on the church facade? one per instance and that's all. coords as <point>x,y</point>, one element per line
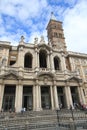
<point>42,76</point>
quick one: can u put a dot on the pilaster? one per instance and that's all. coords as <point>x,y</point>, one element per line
<point>68,99</point>
<point>63,62</point>
<point>36,59</point>
<point>51,61</point>
<point>18,97</point>
<point>1,94</point>
<point>81,95</point>
<point>51,93</point>
<point>48,61</point>
<point>38,96</point>
<point>56,101</point>
<point>34,97</point>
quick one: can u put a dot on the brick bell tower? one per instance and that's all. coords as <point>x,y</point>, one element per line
<point>55,33</point>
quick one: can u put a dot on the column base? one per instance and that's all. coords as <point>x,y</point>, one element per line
<point>38,109</point>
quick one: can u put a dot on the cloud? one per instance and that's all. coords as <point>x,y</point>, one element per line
<point>75,27</point>
<point>30,18</point>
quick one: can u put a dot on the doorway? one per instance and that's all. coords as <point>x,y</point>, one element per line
<point>74,93</point>
<point>9,98</point>
<point>45,97</point>
<point>61,97</point>
<point>27,98</point>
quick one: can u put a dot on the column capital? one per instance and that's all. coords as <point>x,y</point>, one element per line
<point>51,51</point>
<point>80,84</point>
<point>20,82</point>
<point>36,48</point>
<point>1,81</point>
<point>36,82</point>
<point>54,82</point>
<point>67,83</point>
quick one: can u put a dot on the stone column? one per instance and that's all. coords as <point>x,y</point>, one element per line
<point>72,64</point>
<point>48,61</point>
<point>37,98</point>
<point>68,96</point>
<point>39,89</point>
<point>56,101</point>
<point>81,95</point>
<point>63,64</point>
<point>82,72</point>
<point>51,93</point>
<point>34,97</point>
<point>1,95</point>
<point>21,57</point>
<point>18,97</point>
<point>51,61</point>
<point>38,59</point>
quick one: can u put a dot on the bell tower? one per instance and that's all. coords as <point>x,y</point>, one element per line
<point>55,33</point>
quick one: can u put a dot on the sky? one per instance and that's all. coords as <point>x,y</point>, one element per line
<point>30,18</point>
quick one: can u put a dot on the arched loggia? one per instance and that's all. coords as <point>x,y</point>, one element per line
<point>28,60</point>
<point>56,63</point>
<point>43,59</point>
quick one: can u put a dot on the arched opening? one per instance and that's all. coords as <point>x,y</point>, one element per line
<point>43,59</point>
<point>56,63</point>
<point>12,59</point>
<point>28,61</point>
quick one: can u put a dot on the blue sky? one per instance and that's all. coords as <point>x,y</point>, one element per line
<point>30,18</point>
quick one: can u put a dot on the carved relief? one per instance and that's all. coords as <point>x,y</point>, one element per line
<point>85,71</point>
<point>84,61</point>
<point>76,60</point>
<point>45,80</point>
<point>77,69</point>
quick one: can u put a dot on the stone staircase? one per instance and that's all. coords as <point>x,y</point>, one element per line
<point>42,120</point>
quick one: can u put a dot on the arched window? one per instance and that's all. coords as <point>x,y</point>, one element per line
<point>28,60</point>
<point>43,59</point>
<point>56,63</point>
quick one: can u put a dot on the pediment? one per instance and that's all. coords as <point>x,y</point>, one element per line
<point>10,76</point>
<point>44,46</point>
<point>74,79</point>
<point>46,74</point>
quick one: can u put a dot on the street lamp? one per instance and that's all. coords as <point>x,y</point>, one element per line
<point>57,116</point>
<point>72,113</point>
<point>72,124</point>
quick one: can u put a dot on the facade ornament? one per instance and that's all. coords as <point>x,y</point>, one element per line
<point>35,40</point>
<point>4,61</point>
<point>42,41</point>
<point>45,80</point>
<point>49,43</point>
<point>22,40</point>
<point>36,82</point>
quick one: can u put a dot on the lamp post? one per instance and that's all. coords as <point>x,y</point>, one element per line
<point>72,124</point>
<point>72,113</point>
<point>57,116</point>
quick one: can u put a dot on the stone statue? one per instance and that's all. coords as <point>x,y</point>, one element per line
<point>36,40</point>
<point>42,41</point>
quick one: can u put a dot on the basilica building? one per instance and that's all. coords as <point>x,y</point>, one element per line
<point>40,75</point>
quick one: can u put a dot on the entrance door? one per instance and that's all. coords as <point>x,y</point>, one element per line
<point>9,98</point>
<point>27,102</point>
<point>8,102</point>
<point>27,97</point>
<point>61,97</point>
<point>74,94</point>
<point>45,97</point>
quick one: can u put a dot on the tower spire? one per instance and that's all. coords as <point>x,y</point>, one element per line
<point>55,33</point>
